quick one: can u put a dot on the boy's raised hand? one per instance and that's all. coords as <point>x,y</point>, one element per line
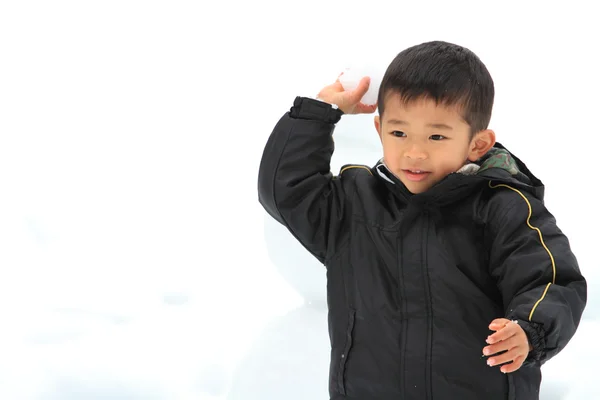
<point>348,101</point>
<point>509,337</point>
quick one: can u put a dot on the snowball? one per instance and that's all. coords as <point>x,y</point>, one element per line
<point>352,75</point>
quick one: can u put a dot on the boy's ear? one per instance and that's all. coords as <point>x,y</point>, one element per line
<point>377,121</point>
<point>481,143</point>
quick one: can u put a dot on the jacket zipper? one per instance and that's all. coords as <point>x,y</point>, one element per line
<point>426,284</point>
<point>403,320</point>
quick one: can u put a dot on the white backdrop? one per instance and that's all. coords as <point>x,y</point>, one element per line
<point>135,260</point>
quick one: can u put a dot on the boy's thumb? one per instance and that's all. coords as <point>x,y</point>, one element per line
<point>361,89</point>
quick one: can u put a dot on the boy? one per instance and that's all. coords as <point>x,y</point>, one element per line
<point>442,260</point>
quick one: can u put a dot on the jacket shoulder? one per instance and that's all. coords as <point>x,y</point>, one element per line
<point>352,170</point>
<point>499,199</point>
<point>356,179</point>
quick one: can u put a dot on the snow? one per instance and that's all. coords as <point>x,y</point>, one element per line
<point>135,260</point>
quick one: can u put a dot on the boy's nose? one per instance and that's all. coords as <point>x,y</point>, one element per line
<point>416,153</point>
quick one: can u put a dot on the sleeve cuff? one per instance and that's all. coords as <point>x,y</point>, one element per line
<point>307,108</point>
<point>536,336</point>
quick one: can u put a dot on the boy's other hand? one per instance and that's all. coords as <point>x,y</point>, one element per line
<point>511,338</point>
<point>347,101</point>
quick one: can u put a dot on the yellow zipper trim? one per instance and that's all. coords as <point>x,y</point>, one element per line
<point>355,166</point>
<point>541,240</point>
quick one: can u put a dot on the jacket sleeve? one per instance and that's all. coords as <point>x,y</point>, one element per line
<point>536,272</point>
<point>295,184</point>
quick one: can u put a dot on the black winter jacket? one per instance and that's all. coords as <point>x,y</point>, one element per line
<point>413,281</point>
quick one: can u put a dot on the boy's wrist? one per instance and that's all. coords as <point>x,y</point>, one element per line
<point>325,101</point>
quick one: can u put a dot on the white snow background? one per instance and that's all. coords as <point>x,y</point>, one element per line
<point>135,260</point>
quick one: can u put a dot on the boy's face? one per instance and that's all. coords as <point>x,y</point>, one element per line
<point>424,142</point>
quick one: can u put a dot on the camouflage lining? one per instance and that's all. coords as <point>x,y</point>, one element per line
<point>498,158</point>
<point>495,158</point>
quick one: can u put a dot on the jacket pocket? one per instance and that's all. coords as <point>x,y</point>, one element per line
<point>344,356</point>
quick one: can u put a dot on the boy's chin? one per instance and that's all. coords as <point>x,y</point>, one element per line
<point>416,188</point>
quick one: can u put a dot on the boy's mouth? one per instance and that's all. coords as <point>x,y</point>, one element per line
<point>415,175</point>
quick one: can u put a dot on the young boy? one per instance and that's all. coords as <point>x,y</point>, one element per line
<point>442,260</point>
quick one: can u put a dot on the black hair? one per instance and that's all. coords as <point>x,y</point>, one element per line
<point>447,73</point>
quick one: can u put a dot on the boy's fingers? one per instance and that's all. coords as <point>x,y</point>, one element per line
<point>508,331</point>
<point>367,109</point>
<point>498,324</point>
<point>515,365</point>
<point>507,344</point>
<point>510,355</point>
<point>348,101</point>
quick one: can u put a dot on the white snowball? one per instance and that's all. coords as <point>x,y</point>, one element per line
<point>352,75</point>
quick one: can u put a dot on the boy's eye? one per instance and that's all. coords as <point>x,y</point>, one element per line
<point>398,133</point>
<point>437,137</point>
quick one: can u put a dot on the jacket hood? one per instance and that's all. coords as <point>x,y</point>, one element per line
<point>498,165</point>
